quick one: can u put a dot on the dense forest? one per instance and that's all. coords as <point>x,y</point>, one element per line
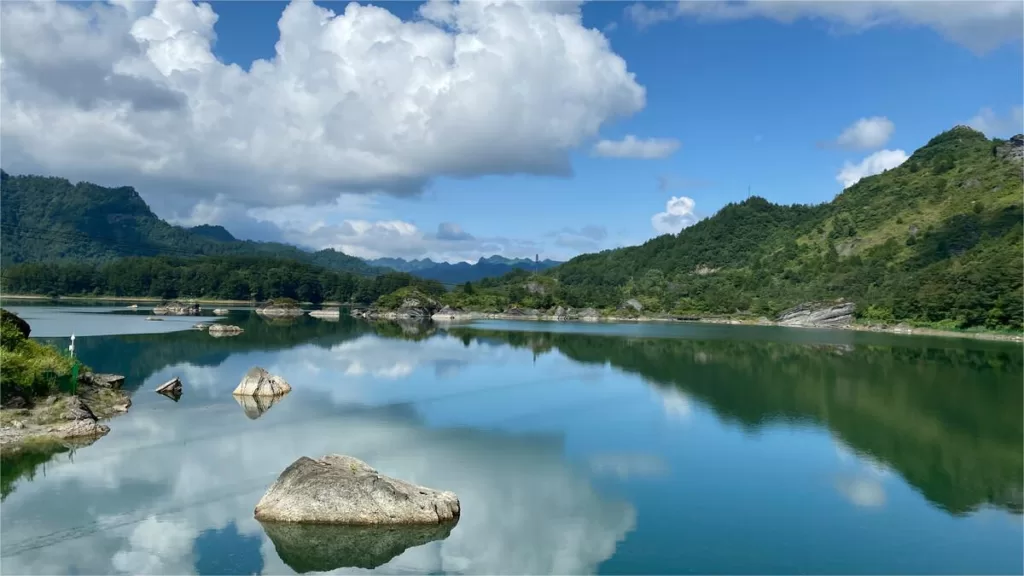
<point>937,240</point>
<point>219,277</point>
<point>51,219</point>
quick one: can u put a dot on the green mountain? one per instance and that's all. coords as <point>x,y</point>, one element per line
<point>50,219</point>
<point>936,240</point>
<point>461,272</point>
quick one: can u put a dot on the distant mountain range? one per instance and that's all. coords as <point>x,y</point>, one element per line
<point>47,219</point>
<point>461,272</point>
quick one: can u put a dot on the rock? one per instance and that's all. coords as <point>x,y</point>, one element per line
<point>16,321</point>
<point>280,311</point>
<point>256,406</point>
<point>221,330</point>
<point>416,306</point>
<point>16,402</point>
<point>589,315</point>
<point>112,381</point>
<point>172,386</point>
<point>1013,150</point>
<point>220,312</point>
<point>310,548</point>
<point>819,314</point>
<point>448,314</point>
<point>634,304</point>
<point>173,394</point>
<point>201,326</point>
<point>79,428</point>
<point>132,306</point>
<point>77,410</point>
<point>18,424</point>
<point>178,308</point>
<point>344,490</point>
<point>259,382</point>
<point>326,314</point>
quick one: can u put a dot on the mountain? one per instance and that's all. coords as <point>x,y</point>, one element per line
<point>51,219</point>
<point>490,267</point>
<point>937,240</point>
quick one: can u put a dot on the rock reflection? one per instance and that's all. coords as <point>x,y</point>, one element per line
<point>256,406</point>
<point>312,548</point>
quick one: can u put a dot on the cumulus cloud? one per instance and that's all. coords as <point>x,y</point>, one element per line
<point>678,214</point>
<point>633,147</point>
<point>866,134</point>
<point>351,102</point>
<point>874,164</point>
<point>995,126</point>
<point>979,25</point>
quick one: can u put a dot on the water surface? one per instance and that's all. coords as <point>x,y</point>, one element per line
<point>574,448</point>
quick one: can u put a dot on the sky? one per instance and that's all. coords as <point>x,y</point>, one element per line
<point>456,130</point>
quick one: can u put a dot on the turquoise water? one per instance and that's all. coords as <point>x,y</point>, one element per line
<point>574,448</point>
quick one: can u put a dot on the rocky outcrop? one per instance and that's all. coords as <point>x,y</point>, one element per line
<point>1012,150</point>
<point>112,381</point>
<point>819,314</point>
<point>326,314</point>
<point>177,308</point>
<point>220,312</point>
<point>343,490</point>
<point>448,314</point>
<point>222,330</point>
<point>259,382</point>
<point>589,315</point>
<point>412,308</point>
<point>277,311</point>
<point>309,548</point>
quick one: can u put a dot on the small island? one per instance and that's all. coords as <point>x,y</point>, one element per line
<point>281,308</point>
<point>41,402</point>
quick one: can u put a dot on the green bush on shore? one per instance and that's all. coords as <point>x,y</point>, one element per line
<point>27,368</point>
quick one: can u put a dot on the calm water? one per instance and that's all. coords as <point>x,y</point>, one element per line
<point>573,448</point>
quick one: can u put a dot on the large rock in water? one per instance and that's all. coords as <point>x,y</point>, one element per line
<point>259,382</point>
<point>344,490</point>
<point>819,314</point>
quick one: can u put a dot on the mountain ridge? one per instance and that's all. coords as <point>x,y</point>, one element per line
<point>460,272</point>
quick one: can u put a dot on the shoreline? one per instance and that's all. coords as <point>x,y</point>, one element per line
<point>150,300</point>
<point>904,330</point>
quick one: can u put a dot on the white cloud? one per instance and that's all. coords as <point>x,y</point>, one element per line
<point>866,134</point>
<point>632,147</point>
<point>874,164</point>
<point>995,126</point>
<point>356,101</point>
<point>678,214</point>
<point>979,25</point>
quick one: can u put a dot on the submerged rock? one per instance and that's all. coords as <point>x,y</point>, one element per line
<point>259,382</point>
<point>819,314</point>
<point>178,309</point>
<point>280,311</point>
<point>221,330</point>
<point>311,548</point>
<point>344,490</point>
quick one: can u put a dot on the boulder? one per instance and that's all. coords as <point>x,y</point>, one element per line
<point>82,428</point>
<point>75,409</point>
<point>220,312</point>
<point>221,330</point>
<point>343,490</point>
<point>589,315</point>
<point>309,548</point>
<point>259,382</point>
<point>822,314</point>
<point>177,308</point>
<point>172,386</point>
<point>112,381</point>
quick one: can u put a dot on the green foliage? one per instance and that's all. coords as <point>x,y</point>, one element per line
<point>225,277</point>
<point>27,368</point>
<point>395,299</point>
<point>936,240</point>
<point>51,219</point>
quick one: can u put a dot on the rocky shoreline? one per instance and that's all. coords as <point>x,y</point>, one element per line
<point>72,420</point>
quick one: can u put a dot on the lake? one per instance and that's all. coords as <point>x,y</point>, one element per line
<point>574,448</point>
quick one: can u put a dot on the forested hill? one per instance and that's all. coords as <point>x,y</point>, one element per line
<point>938,239</point>
<point>50,219</point>
<point>463,271</point>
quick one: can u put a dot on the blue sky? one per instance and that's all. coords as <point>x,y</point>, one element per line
<point>743,97</point>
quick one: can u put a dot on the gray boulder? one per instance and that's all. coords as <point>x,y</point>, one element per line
<point>112,381</point>
<point>220,330</point>
<point>221,312</point>
<point>259,382</point>
<point>819,314</point>
<point>178,308</point>
<point>343,490</point>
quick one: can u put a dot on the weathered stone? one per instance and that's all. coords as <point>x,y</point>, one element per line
<point>220,312</point>
<point>344,490</point>
<point>177,308</point>
<point>310,548</point>
<point>819,314</point>
<point>112,381</point>
<point>259,382</point>
<point>589,315</point>
<point>172,386</point>
<point>79,428</point>
<point>77,410</point>
<point>221,330</point>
